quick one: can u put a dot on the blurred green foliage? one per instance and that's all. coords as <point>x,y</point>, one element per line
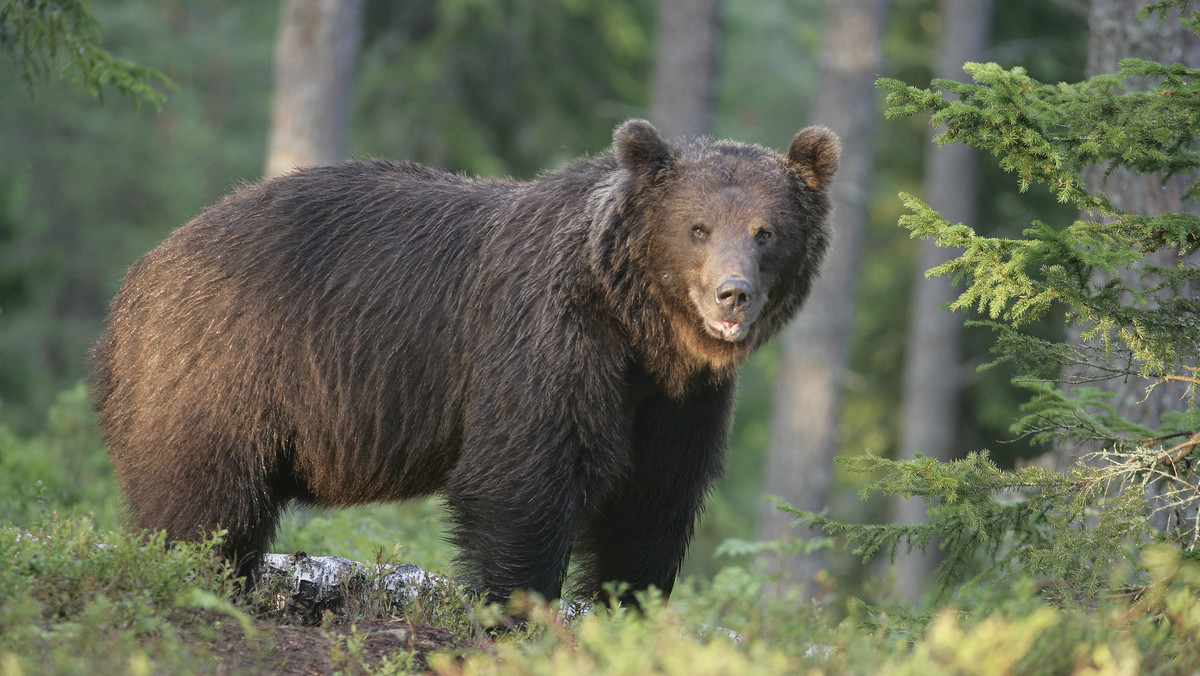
<point>61,471</point>
<point>490,88</point>
<point>409,532</point>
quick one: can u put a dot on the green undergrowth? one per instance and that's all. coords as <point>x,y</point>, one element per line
<point>79,595</point>
<point>74,599</point>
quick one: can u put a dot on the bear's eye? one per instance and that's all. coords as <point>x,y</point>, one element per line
<point>699,230</point>
<point>764,235</point>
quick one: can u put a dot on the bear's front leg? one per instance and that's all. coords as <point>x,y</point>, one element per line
<point>513,520</point>
<point>640,534</point>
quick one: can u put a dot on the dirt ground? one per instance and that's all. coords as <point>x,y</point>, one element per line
<point>285,648</point>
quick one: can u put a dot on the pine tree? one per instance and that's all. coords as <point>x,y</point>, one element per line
<point>1102,274</point>
<point>41,36</point>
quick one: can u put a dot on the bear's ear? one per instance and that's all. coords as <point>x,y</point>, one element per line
<point>640,148</point>
<point>813,155</point>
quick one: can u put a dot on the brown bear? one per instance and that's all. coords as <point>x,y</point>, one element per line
<point>556,358</point>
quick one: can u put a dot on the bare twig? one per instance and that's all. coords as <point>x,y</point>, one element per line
<point>1179,452</point>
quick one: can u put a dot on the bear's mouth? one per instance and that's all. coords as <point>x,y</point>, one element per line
<point>726,330</point>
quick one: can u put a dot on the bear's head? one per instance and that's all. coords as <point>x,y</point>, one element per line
<point>729,235</point>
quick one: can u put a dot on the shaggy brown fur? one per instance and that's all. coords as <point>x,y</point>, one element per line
<point>557,358</point>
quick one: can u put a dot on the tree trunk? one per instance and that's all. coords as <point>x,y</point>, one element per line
<point>688,44</point>
<point>932,361</point>
<point>1115,33</point>
<point>815,347</point>
<point>315,53</point>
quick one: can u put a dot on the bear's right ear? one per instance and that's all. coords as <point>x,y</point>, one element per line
<point>813,155</point>
<point>641,149</point>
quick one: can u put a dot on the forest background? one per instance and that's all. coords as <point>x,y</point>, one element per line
<point>87,184</point>
<point>1079,257</point>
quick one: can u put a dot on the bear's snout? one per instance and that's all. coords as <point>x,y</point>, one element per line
<point>734,295</point>
<point>733,309</point>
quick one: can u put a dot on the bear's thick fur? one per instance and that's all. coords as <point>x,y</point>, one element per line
<point>556,358</point>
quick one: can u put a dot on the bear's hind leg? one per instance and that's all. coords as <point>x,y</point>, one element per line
<point>205,483</point>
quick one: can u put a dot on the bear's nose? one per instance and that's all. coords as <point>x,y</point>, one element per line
<point>734,294</point>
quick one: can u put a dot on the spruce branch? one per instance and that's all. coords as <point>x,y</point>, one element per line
<point>42,36</point>
<point>1126,283</point>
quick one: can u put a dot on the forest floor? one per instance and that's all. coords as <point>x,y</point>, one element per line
<point>385,645</point>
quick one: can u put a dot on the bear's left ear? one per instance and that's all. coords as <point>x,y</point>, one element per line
<point>641,149</point>
<point>813,155</point>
